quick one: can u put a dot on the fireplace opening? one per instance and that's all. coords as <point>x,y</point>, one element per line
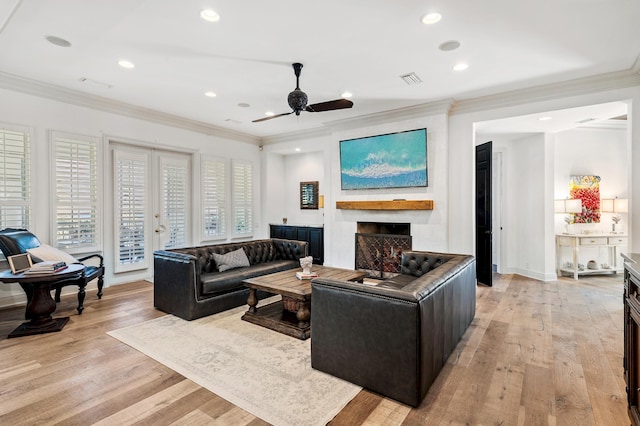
<point>379,247</point>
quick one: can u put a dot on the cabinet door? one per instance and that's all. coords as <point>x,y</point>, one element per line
<point>276,231</point>
<point>316,245</point>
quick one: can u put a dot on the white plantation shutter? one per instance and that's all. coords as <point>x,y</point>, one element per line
<point>242,196</point>
<point>15,178</point>
<point>131,210</point>
<point>213,197</point>
<point>75,165</point>
<point>175,180</point>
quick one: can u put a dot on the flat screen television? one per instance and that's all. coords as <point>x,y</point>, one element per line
<point>393,160</point>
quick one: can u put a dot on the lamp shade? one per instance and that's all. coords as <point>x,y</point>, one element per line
<point>614,205</point>
<point>568,206</point>
<point>620,205</point>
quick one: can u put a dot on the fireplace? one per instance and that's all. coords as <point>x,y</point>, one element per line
<point>379,247</point>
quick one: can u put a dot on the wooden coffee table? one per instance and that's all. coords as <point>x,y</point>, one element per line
<point>292,314</point>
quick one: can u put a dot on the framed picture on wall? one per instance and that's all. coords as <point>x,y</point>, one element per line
<point>393,160</point>
<point>309,195</point>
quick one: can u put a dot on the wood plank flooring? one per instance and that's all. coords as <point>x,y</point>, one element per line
<point>536,354</point>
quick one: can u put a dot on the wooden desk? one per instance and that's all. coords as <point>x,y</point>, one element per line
<point>41,305</point>
<point>611,242</point>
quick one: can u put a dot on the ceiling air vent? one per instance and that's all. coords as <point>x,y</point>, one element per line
<point>411,78</point>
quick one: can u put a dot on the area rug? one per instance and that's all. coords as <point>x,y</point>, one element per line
<point>261,371</point>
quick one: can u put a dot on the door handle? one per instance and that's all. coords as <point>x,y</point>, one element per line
<point>160,229</point>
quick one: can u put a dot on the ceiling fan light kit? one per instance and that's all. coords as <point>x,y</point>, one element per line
<point>298,100</point>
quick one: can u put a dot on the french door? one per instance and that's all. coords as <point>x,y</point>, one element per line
<point>151,194</point>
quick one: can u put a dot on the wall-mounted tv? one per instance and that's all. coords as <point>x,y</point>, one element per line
<point>393,160</point>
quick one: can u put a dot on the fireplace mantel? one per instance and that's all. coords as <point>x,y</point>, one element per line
<point>386,205</point>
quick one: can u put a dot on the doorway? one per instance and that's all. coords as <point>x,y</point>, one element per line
<point>151,204</point>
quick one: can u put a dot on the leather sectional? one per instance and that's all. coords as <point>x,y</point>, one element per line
<point>394,338</point>
<point>188,284</point>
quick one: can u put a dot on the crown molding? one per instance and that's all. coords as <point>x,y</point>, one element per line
<point>391,116</point>
<point>316,132</point>
<point>581,86</point>
<point>74,97</point>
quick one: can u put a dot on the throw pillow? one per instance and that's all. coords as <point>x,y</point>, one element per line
<point>46,252</point>
<point>233,259</point>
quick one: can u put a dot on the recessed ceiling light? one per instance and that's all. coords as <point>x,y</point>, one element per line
<point>544,118</point>
<point>210,15</point>
<point>449,45</point>
<point>431,18</point>
<point>298,149</point>
<point>346,95</point>
<point>244,105</point>
<point>460,67</point>
<point>210,94</point>
<point>58,41</point>
<point>269,113</point>
<point>126,64</point>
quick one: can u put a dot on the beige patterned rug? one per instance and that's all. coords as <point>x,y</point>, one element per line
<point>261,371</point>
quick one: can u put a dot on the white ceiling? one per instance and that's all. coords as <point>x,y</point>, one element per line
<point>360,46</point>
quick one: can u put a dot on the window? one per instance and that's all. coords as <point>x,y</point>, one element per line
<point>242,196</point>
<point>175,200</point>
<point>15,178</point>
<point>75,167</point>
<point>130,194</point>
<point>213,198</point>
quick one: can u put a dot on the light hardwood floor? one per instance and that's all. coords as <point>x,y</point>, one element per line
<point>536,354</point>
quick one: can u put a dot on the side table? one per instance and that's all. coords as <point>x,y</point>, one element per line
<point>42,305</point>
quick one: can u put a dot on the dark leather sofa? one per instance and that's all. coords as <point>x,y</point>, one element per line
<point>395,337</point>
<point>187,282</point>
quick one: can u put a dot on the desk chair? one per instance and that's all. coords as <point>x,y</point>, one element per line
<point>17,241</point>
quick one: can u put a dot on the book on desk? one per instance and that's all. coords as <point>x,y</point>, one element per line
<point>46,268</point>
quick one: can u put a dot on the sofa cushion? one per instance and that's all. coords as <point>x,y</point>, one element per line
<point>216,283</point>
<point>397,282</point>
<point>233,259</point>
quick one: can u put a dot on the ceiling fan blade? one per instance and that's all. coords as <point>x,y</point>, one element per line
<point>273,116</point>
<point>329,105</point>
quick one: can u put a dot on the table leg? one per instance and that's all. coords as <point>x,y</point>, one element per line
<point>39,310</point>
<point>303,315</point>
<point>252,300</point>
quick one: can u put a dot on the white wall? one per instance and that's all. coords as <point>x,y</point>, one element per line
<point>462,141</point>
<point>42,115</point>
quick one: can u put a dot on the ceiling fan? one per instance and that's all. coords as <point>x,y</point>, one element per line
<point>298,100</point>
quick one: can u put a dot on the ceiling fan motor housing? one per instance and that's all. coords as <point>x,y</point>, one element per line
<point>297,101</point>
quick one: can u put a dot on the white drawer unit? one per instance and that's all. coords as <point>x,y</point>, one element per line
<point>592,246</point>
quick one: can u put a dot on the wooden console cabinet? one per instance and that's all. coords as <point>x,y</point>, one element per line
<point>314,235</point>
<point>631,360</point>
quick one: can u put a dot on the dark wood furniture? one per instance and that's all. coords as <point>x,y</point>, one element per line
<point>631,360</point>
<point>314,235</point>
<point>17,241</point>
<point>41,305</point>
<point>292,314</point>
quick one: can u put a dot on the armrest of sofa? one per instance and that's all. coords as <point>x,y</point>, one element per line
<point>175,282</point>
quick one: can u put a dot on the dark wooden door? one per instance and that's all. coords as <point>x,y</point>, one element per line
<point>483,214</point>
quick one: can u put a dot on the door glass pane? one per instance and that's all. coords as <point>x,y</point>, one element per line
<point>174,199</point>
<point>131,210</point>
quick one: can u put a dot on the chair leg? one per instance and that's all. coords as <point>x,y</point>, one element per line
<point>100,284</point>
<point>81,294</point>
<point>57,295</point>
